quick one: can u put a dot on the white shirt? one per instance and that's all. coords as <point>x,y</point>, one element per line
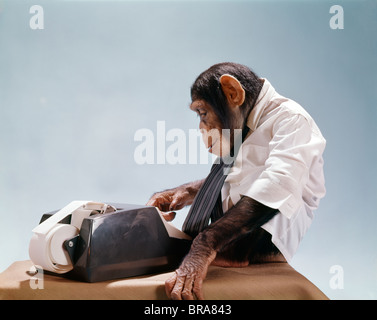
<point>280,165</point>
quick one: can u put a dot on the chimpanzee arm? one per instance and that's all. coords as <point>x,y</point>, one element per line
<point>239,221</point>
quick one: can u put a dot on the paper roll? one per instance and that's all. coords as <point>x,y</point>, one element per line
<point>47,250</point>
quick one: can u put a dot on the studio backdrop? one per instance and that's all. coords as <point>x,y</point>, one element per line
<point>86,85</point>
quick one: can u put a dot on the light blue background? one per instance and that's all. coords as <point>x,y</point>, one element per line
<point>73,95</point>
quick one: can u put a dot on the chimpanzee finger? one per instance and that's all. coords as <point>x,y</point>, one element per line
<point>169,285</point>
<point>176,204</point>
<point>176,293</point>
<point>162,202</point>
<point>187,293</point>
<point>198,290</point>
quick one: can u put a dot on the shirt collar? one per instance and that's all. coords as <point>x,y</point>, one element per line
<point>264,97</point>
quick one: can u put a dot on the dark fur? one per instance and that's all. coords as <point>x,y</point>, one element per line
<point>238,235</point>
<point>207,87</point>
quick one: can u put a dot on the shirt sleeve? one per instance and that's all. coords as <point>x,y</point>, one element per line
<point>291,151</point>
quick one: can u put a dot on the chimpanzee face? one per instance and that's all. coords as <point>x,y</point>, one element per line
<point>211,128</point>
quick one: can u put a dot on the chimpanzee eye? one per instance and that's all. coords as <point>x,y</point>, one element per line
<point>201,112</point>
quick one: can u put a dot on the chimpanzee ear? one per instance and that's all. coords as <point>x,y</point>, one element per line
<point>233,90</point>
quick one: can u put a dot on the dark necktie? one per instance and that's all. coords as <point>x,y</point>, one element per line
<point>207,203</point>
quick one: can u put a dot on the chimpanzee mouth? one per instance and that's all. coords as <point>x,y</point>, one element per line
<point>211,146</point>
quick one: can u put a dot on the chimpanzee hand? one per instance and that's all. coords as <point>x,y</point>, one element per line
<point>222,236</point>
<point>174,199</point>
<point>188,278</point>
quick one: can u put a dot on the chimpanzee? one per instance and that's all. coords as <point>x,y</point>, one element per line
<point>270,190</point>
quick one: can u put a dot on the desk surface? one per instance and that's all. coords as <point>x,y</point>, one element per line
<point>260,281</point>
